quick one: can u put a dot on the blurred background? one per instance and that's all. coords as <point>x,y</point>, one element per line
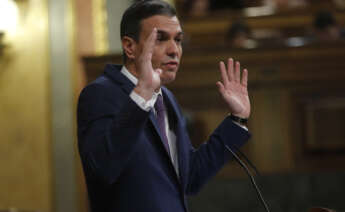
<point>294,51</point>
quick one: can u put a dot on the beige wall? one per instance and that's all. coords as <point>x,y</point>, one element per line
<point>25,137</point>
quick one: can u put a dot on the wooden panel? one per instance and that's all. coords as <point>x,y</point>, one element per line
<point>280,80</point>
<point>94,65</point>
<point>212,30</point>
<point>325,124</point>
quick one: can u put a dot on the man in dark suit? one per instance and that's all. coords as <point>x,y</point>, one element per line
<point>133,141</point>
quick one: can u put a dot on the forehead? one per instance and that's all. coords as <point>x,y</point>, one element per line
<point>168,24</point>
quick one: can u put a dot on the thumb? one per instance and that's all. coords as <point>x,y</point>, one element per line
<point>159,71</point>
<point>220,87</point>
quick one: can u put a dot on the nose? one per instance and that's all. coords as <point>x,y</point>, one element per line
<point>172,49</point>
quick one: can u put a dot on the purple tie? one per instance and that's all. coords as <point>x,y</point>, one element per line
<point>160,113</point>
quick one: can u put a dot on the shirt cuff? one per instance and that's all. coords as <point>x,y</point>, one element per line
<point>141,102</point>
<point>244,127</point>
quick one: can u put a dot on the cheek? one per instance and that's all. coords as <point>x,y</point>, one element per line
<point>157,58</point>
<point>155,62</point>
<point>180,52</point>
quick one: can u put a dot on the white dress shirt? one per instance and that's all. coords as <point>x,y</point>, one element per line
<point>149,105</point>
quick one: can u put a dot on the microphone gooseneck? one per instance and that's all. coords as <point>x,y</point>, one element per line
<point>247,160</point>
<point>249,175</point>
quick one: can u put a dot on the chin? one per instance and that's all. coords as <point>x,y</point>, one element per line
<point>168,78</point>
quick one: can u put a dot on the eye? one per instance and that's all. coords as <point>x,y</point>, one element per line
<point>159,38</point>
<point>178,40</point>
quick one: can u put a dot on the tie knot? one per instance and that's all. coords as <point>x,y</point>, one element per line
<point>159,105</point>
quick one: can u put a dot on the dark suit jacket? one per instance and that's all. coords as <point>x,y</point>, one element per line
<point>126,166</point>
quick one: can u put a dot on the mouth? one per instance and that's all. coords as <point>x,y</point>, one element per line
<point>171,64</point>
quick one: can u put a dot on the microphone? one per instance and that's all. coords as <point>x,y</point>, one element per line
<point>258,192</point>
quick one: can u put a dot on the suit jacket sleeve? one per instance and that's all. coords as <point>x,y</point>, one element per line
<point>201,164</point>
<point>210,157</point>
<point>109,124</point>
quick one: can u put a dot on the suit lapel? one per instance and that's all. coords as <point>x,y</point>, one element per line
<point>114,72</point>
<point>156,127</point>
<point>161,144</point>
<point>175,120</point>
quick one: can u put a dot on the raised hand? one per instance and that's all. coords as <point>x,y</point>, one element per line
<point>233,88</point>
<point>148,77</point>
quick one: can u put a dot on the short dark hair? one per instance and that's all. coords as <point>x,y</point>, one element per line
<point>324,19</point>
<point>140,10</point>
<point>237,27</point>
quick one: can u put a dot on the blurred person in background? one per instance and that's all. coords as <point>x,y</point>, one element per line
<point>284,4</point>
<point>239,35</point>
<point>326,28</point>
<point>226,4</point>
<point>197,7</point>
<point>202,7</point>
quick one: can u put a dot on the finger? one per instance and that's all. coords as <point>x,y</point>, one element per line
<point>230,69</point>
<point>237,71</point>
<point>244,80</point>
<point>220,87</point>
<point>149,44</point>
<point>223,73</point>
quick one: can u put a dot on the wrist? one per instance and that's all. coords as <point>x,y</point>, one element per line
<point>238,119</point>
<point>144,92</point>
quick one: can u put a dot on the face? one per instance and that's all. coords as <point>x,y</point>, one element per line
<point>168,49</point>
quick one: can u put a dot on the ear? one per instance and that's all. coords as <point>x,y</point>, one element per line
<point>129,46</point>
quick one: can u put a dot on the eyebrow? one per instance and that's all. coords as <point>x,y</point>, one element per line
<point>180,33</point>
<point>164,33</point>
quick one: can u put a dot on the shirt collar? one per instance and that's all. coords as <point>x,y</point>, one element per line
<point>133,79</point>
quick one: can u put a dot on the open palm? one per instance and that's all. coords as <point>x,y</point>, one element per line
<point>149,78</point>
<point>233,88</point>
